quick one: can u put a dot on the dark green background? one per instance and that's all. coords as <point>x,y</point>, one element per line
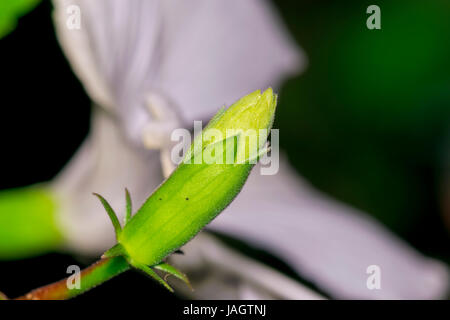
<point>369,120</point>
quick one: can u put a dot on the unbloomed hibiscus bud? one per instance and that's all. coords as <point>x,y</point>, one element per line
<point>198,190</point>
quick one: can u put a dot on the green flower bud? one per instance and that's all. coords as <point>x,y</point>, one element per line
<point>197,191</point>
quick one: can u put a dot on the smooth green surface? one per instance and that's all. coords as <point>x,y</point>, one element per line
<point>129,206</point>
<point>11,11</point>
<point>27,222</point>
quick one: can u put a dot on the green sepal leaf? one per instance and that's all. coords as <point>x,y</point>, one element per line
<point>112,215</point>
<point>128,207</point>
<point>173,271</point>
<point>146,269</point>
<point>116,251</point>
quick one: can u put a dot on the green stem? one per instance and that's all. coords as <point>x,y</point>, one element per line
<point>90,277</point>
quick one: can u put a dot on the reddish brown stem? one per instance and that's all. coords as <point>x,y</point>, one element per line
<point>90,277</point>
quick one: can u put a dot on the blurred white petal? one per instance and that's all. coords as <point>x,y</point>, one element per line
<point>221,273</point>
<point>107,164</point>
<point>327,242</point>
<point>217,51</point>
<point>202,54</point>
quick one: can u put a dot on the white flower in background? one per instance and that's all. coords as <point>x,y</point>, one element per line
<point>151,66</point>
